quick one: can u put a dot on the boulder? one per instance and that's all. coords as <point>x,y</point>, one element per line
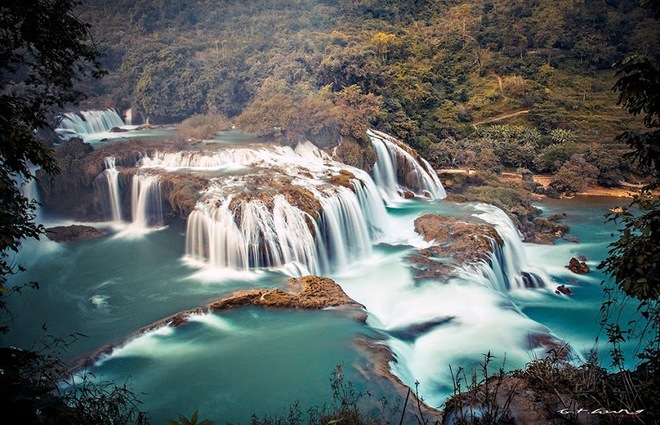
<point>577,266</point>
<point>309,292</point>
<point>73,233</point>
<point>563,289</point>
<point>457,242</point>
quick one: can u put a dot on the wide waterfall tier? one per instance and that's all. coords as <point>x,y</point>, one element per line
<point>509,268</point>
<point>88,122</point>
<point>398,169</point>
<point>269,206</point>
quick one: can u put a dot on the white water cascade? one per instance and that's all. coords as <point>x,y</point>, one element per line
<point>510,269</point>
<point>239,224</point>
<point>112,178</point>
<point>88,122</point>
<point>263,239</point>
<point>397,169</point>
<point>344,230</point>
<point>146,202</point>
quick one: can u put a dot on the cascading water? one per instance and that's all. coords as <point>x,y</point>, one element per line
<point>231,228</point>
<point>146,202</point>
<point>396,168</point>
<point>264,238</point>
<point>88,122</point>
<point>344,230</point>
<point>510,269</point>
<point>112,179</point>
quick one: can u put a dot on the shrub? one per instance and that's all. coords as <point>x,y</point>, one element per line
<point>203,126</point>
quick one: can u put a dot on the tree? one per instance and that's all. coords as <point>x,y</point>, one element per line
<point>634,259</point>
<point>44,52</point>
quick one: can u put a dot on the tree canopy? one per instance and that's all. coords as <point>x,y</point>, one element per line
<point>45,50</point>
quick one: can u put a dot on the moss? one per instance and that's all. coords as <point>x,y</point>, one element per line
<point>344,178</point>
<point>356,155</point>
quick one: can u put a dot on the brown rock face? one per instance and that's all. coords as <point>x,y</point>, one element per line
<point>310,292</point>
<point>457,242</point>
<point>72,233</point>
<point>577,266</point>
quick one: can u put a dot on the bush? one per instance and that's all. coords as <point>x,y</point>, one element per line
<point>575,175</point>
<point>203,126</point>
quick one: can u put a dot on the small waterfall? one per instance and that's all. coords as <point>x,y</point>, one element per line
<point>112,178</point>
<point>263,239</point>
<point>30,190</point>
<point>227,232</point>
<point>146,203</point>
<point>344,229</point>
<point>88,122</point>
<point>396,168</point>
<point>510,268</point>
<point>371,203</point>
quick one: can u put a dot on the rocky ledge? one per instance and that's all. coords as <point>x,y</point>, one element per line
<point>456,243</point>
<point>73,233</point>
<point>307,292</point>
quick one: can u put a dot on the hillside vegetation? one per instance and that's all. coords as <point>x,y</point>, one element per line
<point>481,84</point>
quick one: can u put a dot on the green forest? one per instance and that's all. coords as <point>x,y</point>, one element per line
<point>561,87</point>
<point>481,84</point>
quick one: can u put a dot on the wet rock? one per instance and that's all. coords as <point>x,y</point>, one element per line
<point>563,289</point>
<point>408,194</point>
<point>577,266</point>
<point>412,332</point>
<point>118,130</point>
<point>344,178</point>
<point>73,233</point>
<point>457,242</point>
<point>309,292</point>
<point>546,230</point>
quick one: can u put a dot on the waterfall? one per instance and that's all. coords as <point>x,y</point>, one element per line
<point>88,122</point>
<point>371,204</point>
<point>146,203</point>
<point>397,169</point>
<point>30,190</point>
<point>112,178</point>
<point>247,235</point>
<point>263,239</point>
<point>509,269</point>
<point>344,229</point>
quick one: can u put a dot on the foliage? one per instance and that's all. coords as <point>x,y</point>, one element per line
<point>475,400</point>
<point>634,258</point>
<point>432,68</point>
<point>575,175</point>
<point>32,390</point>
<point>203,126</point>
<point>194,420</point>
<point>44,52</point>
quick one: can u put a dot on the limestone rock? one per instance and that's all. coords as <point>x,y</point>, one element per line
<point>577,266</point>
<point>73,233</point>
<point>456,242</point>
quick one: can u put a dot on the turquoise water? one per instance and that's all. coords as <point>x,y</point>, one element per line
<point>575,319</point>
<point>246,361</point>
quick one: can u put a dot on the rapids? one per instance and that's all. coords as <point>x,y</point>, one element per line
<point>270,212</point>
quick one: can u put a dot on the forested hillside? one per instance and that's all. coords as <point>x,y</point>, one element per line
<point>481,84</point>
